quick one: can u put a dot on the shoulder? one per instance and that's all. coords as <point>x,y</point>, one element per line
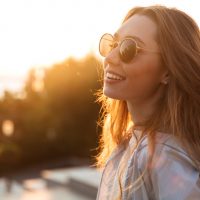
<point>167,148</point>
<point>172,172</point>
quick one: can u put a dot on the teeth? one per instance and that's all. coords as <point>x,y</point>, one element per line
<point>113,76</point>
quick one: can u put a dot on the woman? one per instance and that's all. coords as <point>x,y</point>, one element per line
<point>150,145</point>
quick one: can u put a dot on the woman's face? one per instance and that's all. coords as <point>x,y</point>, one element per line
<point>139,79</point>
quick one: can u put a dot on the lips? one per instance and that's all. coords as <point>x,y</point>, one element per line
<point>114,76</point>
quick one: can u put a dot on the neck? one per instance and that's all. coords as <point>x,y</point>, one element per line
<point>140,113</point>
<point>142,110</point>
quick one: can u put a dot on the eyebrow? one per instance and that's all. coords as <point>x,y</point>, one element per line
<point>116,36</point>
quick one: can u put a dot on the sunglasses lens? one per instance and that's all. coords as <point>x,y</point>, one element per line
<point>105,44</point>
<point>128,50</point>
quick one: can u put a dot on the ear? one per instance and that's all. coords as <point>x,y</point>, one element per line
<point>165,78</point>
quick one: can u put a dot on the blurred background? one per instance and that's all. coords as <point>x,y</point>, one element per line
<point>49,73</point>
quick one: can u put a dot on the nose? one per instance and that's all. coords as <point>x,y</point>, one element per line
<point>113,57</point>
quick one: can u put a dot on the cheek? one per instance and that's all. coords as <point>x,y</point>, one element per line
<point>144,77</point>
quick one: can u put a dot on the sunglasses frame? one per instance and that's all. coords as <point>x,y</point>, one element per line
<point>119,43</point>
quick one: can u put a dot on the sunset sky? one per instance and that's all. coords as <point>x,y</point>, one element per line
<point>38,33</point>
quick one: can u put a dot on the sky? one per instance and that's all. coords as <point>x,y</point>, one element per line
<point>39,33</point>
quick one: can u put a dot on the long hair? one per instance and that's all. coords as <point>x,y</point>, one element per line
<point>178,38</point>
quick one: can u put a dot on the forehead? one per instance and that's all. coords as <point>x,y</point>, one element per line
<point>141,27</point>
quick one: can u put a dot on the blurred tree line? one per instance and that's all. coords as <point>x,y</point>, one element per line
<point>56,117</point>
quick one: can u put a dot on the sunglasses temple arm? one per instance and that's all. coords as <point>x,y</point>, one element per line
<point>140,48</point>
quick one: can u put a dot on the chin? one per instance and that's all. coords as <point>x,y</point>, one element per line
<point>112,94</point>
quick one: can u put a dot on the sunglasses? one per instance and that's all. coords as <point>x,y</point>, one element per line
<point>128,47</point>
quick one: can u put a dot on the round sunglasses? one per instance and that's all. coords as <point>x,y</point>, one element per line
<point>128,47</point>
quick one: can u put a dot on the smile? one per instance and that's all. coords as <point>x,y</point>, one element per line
<point>112,76</point>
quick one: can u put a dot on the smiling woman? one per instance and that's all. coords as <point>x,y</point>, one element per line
<point>151,101</point>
